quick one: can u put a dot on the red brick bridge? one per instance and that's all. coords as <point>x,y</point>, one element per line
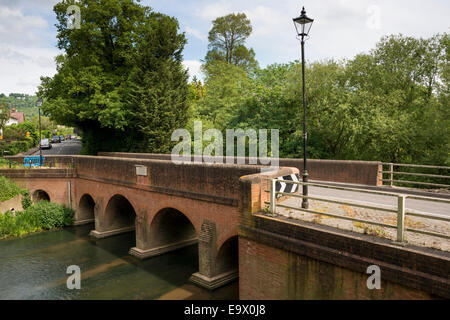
<point>171,206</point>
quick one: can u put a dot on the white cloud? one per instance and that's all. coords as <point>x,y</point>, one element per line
<point>194,68</point>
<point>196,33</point>
<point>24,57</point>
<point>44,4</point>
<point>212,11</point>
<point>266,21</point>
<point>18,29</point>
<point>12,56</point>
<point>342,28</point>
<point>22,67</point>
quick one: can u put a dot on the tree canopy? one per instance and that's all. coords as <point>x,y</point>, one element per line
<point>227,41</point>
<point>391,104</point>
<point>120,79</point>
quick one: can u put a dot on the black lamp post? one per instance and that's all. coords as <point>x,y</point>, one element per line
<point>303,25</point>
<point>39,105</point>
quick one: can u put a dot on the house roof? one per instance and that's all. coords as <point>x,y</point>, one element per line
<point>19,116</point>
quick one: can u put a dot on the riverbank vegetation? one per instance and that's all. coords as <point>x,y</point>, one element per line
<point>37,217</point>
<point>34,217</point>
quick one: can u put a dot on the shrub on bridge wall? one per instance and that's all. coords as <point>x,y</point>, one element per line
<point>26,200</point>
<point>41,216</point>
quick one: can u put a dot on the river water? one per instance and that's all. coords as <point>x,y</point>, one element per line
<point>34,267</point>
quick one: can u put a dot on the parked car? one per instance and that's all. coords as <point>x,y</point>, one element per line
<point>45,144</point>
<point>56,139</point>
<point>68,137</point>
<point>62,138</point>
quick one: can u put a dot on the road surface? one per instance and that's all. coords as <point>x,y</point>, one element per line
<point>68,147</point>
<point>375,200</point>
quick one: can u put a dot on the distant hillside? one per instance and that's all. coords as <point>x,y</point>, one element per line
<point>22,102</point>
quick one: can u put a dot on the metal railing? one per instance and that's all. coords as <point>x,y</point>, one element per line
<point>392,173</point>
<point>400,210</point>
<point>33,162</point>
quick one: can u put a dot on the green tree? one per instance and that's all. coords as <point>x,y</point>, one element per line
<point>4,116</point>
<point>120,79</point>
<point>227,41</point>
<point>30,127</point>
<point>389,105</point>
<point>267,106</point>
<point>398,84</point>
<point>197,90</point>
<point>226,87</point>
<point>158,86</point>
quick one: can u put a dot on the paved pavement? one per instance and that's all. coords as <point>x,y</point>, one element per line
<point>370,215</point>
<point>377,200</point>
<point>68,147</point>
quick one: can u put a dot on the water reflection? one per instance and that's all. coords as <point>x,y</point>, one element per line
<point>35,267</point>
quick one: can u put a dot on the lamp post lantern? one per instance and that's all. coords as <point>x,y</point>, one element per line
<point>303,25</point>
<point>39,105</point>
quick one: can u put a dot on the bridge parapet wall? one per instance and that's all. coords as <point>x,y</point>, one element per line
<point>220,181</point>
<point>36,173</point>
<point>345,171</point>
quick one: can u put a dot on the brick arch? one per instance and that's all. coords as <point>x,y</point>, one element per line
<point>194,219</point>
<point>226,220</point>
<point>86,207</point>
<point>90,194</point>
<point>118,212</point>
<point>228,255</point>
<point>224,236</point>
<point>104,198</point>
<point>40,194</point>
<point>170,225</point>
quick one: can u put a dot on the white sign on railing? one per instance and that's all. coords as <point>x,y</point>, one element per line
<point>287,187</point>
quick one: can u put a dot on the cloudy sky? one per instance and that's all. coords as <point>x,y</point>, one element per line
<point>342,29</point>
